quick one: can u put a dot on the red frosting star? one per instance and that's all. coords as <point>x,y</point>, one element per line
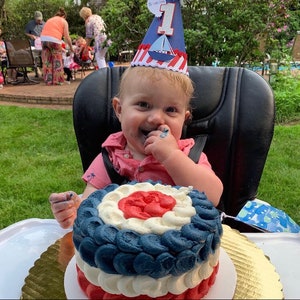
<point>144,205</point>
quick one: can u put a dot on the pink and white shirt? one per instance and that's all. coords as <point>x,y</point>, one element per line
<point>127,166</point>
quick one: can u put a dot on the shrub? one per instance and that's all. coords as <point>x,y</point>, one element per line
<point>286,87</point>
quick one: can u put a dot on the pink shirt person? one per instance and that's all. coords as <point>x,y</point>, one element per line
<point>132,169</point>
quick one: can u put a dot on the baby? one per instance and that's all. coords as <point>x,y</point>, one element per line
<point>152,107</point>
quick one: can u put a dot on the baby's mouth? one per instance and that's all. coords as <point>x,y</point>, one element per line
<point>145,132</point>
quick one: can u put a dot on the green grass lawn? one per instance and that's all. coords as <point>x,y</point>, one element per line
<point>280,182</point>
<point>39,155</point>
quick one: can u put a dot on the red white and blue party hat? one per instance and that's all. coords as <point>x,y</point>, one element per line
<point>163,45</point>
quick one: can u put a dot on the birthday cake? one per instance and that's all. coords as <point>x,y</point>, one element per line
<point>146,240</point>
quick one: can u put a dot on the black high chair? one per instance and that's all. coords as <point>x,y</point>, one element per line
<point>233,107</point>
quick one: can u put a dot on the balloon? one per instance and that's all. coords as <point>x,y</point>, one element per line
<point>1,78</point>
<point>154,6</point>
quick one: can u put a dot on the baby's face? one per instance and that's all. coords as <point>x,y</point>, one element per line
<point>148,104</point>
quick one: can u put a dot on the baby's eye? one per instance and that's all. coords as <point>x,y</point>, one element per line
<point>171,109</point>
<point>143,105</point>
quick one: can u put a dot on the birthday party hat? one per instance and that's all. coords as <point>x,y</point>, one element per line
<point>163,45</point>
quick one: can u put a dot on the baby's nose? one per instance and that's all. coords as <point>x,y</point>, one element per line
<point>156,117</point>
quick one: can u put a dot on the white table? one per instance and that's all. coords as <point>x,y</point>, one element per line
<point>283,249</point>
<point>21,244</point>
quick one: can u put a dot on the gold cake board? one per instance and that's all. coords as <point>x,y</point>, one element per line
<point>256,276</point>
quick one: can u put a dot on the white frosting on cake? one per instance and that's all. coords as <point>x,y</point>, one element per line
<point>180,215</point>
<point>132,286</point>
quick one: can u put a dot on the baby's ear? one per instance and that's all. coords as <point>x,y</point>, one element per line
<point>116,103</point>
<point>188,117</point>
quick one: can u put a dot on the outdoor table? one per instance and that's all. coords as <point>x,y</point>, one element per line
<point>22,243</point>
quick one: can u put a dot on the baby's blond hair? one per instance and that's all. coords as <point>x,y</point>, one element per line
<point>176,78</point>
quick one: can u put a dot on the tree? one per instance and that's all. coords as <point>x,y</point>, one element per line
<point>227,30</point>
<point>127,22</point>
<point>231,31</point>
<point>19,12</point>
<point>280,37</point>
<point>2,12</point>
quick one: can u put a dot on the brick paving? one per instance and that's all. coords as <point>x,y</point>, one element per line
<point>40,95</point>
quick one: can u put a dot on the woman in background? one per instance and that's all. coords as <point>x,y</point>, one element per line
<point>54,30</point>
<point>95,29</point>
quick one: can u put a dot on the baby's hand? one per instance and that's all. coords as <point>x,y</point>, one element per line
<point>160,143</point>
<point>64,207</point>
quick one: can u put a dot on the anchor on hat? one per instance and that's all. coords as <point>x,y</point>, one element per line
<point>163,45</point>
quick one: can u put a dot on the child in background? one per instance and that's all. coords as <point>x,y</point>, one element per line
<point>70,67</point>
<point>68,60</point>
<point>82,52</point>
<point>152,106</point>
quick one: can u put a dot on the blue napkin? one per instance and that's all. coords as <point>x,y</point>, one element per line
<point>263,215</point>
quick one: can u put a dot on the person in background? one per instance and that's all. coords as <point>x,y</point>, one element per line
<point>82,53</point>
<point>34,27</point>
<point>80,44</point>
<point>11,72</point>
<point>68,62</point>
<point>33,31</point>
<point>55,29</point>
<point>95,29</point>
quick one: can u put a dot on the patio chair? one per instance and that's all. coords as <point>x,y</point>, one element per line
<point>232,107</point>
<point>20,57</point>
